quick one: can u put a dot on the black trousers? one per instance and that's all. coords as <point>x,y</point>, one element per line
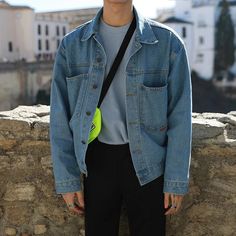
<point>111,182</point>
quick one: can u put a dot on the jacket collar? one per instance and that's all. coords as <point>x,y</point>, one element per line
<point>144,33</point>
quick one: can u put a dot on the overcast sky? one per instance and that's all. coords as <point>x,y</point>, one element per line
<point>147,7</point>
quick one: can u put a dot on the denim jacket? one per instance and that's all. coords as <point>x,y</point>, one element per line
<point>158,104</point>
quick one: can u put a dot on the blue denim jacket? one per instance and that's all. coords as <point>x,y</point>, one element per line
<point>158,97</point>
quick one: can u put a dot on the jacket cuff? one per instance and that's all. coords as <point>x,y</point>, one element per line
<point>176,187</point>
<point>68,186</point>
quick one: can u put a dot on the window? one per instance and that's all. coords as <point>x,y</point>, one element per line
<point>200,57</point>
<point>201,40</point>
<point>64,30</point>
<point>184,32</point>
<point>47,45</point>
<point>201,25</point>
<point>39,29</point>
<point>10,48</point>
<point>58,42</point>
<point>39,45</point>
<point>58,30</point>
<point>46,30</point>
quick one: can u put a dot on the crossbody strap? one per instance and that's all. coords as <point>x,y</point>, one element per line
<point>117,60</point>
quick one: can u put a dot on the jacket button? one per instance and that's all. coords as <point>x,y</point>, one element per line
<point>99,59</point>
<point>88,113</point>
<point>95,86</point>
<point>83,142</point>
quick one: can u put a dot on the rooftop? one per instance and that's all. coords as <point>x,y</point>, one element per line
<point>6,5</point>
<point>173,19</point>
<point>81,11</point>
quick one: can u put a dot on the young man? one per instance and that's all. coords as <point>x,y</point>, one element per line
<point>142,154</point>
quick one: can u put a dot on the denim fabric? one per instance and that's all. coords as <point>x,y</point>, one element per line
<point>158,104</point>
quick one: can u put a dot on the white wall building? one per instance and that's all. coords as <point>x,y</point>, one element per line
<point>16,27</point>
<point>74,17</point>
<point>35,36</point>
<point>50,27</point>
<point>204,40</point>
<point>201,41</point>
<point>48,33</point>
<point>183,9</point>
<point>28,35</point>
<point>185,30</point>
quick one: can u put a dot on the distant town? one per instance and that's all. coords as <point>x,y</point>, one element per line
<point>31,37</point>
<point>195,21</point>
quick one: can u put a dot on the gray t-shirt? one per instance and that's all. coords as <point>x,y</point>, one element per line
<point>114,127</point>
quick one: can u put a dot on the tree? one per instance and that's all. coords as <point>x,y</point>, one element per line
<point>224,40</point>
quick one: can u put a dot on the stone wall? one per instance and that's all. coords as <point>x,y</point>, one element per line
<point>30,206</point>
<point>21,81</point>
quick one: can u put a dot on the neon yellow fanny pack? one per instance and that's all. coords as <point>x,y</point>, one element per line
<point>96,125</point>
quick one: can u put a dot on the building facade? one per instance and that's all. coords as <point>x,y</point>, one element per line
<point>48,33</point>
<point>204,39</point>
<point>73,17</point>
<point>185,29</point>
<point>200,35</point>
<point>50,27</point>
<point>31,36</point>
<point>16,42</point>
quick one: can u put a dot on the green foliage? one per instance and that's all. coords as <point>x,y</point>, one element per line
<point>224,39</point>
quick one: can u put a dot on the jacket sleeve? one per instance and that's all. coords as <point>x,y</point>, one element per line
<point>178,155</point>
<point>65,168</point>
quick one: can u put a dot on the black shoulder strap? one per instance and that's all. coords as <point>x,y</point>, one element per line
<point>117,60</point>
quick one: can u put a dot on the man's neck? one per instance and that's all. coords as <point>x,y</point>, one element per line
<point>117,14</point>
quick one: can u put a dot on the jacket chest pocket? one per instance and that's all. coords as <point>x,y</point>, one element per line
<point>153,103</point>
<point>76,88</point>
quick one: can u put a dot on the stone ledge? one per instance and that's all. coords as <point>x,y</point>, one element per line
<point>32,122</point>
<point>25,122</point>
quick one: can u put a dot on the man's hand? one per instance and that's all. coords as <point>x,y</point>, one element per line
<point>70,199</point>
<point>174,201</point>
